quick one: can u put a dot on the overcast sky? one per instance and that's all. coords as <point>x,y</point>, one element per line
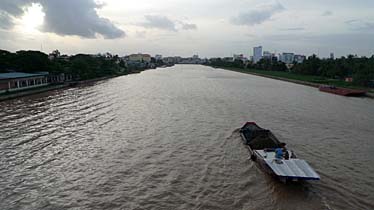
<point>185,27</point>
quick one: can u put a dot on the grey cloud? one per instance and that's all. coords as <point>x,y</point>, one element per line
<point>72,17</point>
<point>10,9</point>
<point>360,25</point>
<point>160,22</point>
<point>67,17</point>
<point>5,21</point>
<point>258,15</point>
<point>14,7</point>
<point>327,13</point>
<point>165,23</point>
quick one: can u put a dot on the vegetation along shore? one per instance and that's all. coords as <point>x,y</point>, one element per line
<point>29,72</point>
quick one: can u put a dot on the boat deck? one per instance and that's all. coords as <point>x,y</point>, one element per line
<point>292,168</point>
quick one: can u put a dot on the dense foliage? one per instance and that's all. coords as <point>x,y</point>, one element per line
<point>360,69</point>
<point>79,66</point>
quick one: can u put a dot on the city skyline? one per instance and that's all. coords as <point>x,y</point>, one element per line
<point>210,28</point>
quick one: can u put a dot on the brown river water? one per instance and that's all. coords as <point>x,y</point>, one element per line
<point>168,139</point>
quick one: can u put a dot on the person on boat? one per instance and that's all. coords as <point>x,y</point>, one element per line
<point>281,152</point>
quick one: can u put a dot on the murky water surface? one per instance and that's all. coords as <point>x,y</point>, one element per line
<point>168,139</point>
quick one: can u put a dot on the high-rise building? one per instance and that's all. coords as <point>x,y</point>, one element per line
<point>257,54</point>
<point>332,56</point>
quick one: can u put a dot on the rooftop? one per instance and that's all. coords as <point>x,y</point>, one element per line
<point>15,75</point>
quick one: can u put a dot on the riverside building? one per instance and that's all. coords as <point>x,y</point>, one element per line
<point>16,81</point>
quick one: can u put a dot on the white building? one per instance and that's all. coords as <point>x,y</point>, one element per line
<point>257,54</point>
<point>140,58</point>
<point>16,81</point>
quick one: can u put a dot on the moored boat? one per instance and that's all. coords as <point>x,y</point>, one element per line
<point>341,91</point>
<point>263,147</point>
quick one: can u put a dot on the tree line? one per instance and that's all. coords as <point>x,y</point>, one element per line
<point>360,69</point>
<point>80,66</point>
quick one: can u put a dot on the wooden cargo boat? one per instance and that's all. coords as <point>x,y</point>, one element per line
<point>263,147</point>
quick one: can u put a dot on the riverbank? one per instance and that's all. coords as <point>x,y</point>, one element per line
<point>312,81</point>
<point>33,91</point>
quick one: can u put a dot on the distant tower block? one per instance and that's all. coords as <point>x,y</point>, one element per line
<point>257,54</point>
<point>332,56</point>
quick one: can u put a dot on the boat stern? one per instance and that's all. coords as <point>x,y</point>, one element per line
<point>292,169</point>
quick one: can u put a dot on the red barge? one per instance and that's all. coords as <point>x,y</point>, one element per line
<point>341,91</point>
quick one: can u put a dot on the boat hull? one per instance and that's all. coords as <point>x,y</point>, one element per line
<point>342,91</point>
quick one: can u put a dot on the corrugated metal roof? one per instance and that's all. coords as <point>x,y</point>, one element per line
<point>292,168</point>
<point>15,75</point>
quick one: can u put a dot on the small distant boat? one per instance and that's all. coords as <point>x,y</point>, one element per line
<point>341,91</point>
<point>262,146</point>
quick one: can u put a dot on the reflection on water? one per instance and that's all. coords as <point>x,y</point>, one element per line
<point>168,139</point>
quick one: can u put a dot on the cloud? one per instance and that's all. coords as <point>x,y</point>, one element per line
<point>72,17</point>
<point>165,23</point>
<point>339,43</point>
<point>10,9</point>
<point>160,22</point>
<point>5,21</point>
<point>14,7</point>
<point>188,26</point>
<point>67,17</point>
<point>293,29</point>
<point>360,25</point>
<point>258,15</point>
<point>141,34</point>
<point>327,13</point>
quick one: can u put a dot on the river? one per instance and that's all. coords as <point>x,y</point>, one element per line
<point>168,139</point>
